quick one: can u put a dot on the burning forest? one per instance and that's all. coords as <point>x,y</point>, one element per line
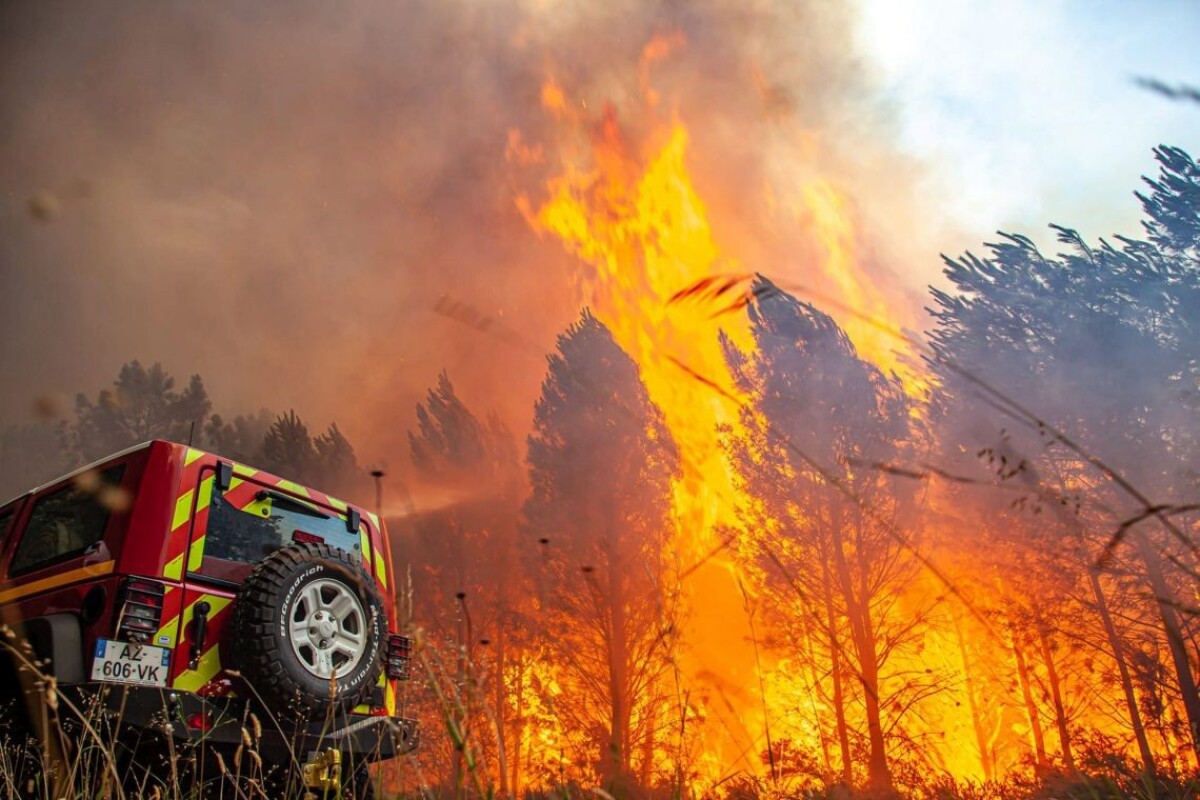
<point>718,484</point>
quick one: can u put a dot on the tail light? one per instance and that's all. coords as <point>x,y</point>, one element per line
<point>141,605</point>
<point>399,651</point>
<point>200,722</point>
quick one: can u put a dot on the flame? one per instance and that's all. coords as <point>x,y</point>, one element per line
<point>645,233</point>
<point>553,98</point>
<point>643,230</point>
<point>861,309</point>
<point>631,213</point>
<point>634,217</point>
<point>658,49</point>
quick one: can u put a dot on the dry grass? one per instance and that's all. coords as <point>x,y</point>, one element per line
<point>81,749</point>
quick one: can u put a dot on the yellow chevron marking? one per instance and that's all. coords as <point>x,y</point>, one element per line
<point>205,496</point>
<point>183,510</point>
<point>173,570</point>
<point>165,635</point>
<point>169,626</point>
<point>364,542</point>
<point>192,455</point>
<point>216,603</point>
<point>381,570</point>
<point>291,486</point>
<point>259,508</point>
<point>210,661</point>
<point>340,505</point>
<point>244,471</point>
<point>190,680</point>
<point>365,708</point>
<point>371,515</point>
<point>195,554</point>
<point>53,582</point>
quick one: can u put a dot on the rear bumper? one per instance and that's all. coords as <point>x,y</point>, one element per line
<point>221,722</point>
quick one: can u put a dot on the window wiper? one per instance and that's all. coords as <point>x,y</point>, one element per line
<point>353,517</point>
<point>291,503</point>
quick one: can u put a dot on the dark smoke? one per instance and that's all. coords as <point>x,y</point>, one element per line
<point>278,195</point>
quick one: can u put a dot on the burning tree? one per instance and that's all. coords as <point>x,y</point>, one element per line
<point>601,467</point>
<point>1074,378</point>
<point>826,531</point>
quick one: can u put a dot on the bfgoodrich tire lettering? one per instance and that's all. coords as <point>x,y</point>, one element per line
<point>309,616</point>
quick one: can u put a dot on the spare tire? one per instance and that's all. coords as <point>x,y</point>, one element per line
<point>310,631</point>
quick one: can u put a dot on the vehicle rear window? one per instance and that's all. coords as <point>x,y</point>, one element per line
<point>66,522</point>
<point>264,523</point>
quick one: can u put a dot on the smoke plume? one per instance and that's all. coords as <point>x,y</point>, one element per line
<point>287,197</point>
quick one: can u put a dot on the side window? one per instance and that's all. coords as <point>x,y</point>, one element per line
<point>63,524</point>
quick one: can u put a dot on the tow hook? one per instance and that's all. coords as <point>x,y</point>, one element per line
<point>323,772</point>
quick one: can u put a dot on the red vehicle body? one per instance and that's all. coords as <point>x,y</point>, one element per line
<point>154,547</point>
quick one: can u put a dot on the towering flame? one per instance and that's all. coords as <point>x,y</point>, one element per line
<point>645,234</point>
<point>627,207</point>
<point>643,230</point>
<point>633,216</point>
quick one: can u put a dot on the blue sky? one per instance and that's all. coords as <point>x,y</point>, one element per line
<point>1026,111</point>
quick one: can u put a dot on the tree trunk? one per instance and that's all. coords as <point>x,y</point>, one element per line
<point>617,757</point>
<point>814,681</point>
<point>458,713</point>
<point>1035,724</point>
<point>1060,714</point>
<point>1170,619</point>
<point>985,756</point>
<point>1118,649</point>
<point>518,730</point>
<point>862,632</point>
<point>878,774</point>
<point>499,700</point>
<point>835,665</point>
<point>648,750</point>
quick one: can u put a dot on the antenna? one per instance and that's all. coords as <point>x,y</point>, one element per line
<point>192,433</point>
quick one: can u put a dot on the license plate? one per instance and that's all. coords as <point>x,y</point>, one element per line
<point>123,662</point>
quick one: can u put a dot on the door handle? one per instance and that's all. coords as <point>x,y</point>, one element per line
<point>200,623</point>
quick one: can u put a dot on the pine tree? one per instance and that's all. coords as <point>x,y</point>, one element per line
<point>337,467</point>
<point>240,438</point>
<point>601,465</point>
<point>142,405</point>
<point>829,533</point>
<point>449,440</point>
<point>288,451</point>
<point>467,584</point>
<point>1100,343</point>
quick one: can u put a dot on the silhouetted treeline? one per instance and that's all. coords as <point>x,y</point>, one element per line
<point>144,403</point>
